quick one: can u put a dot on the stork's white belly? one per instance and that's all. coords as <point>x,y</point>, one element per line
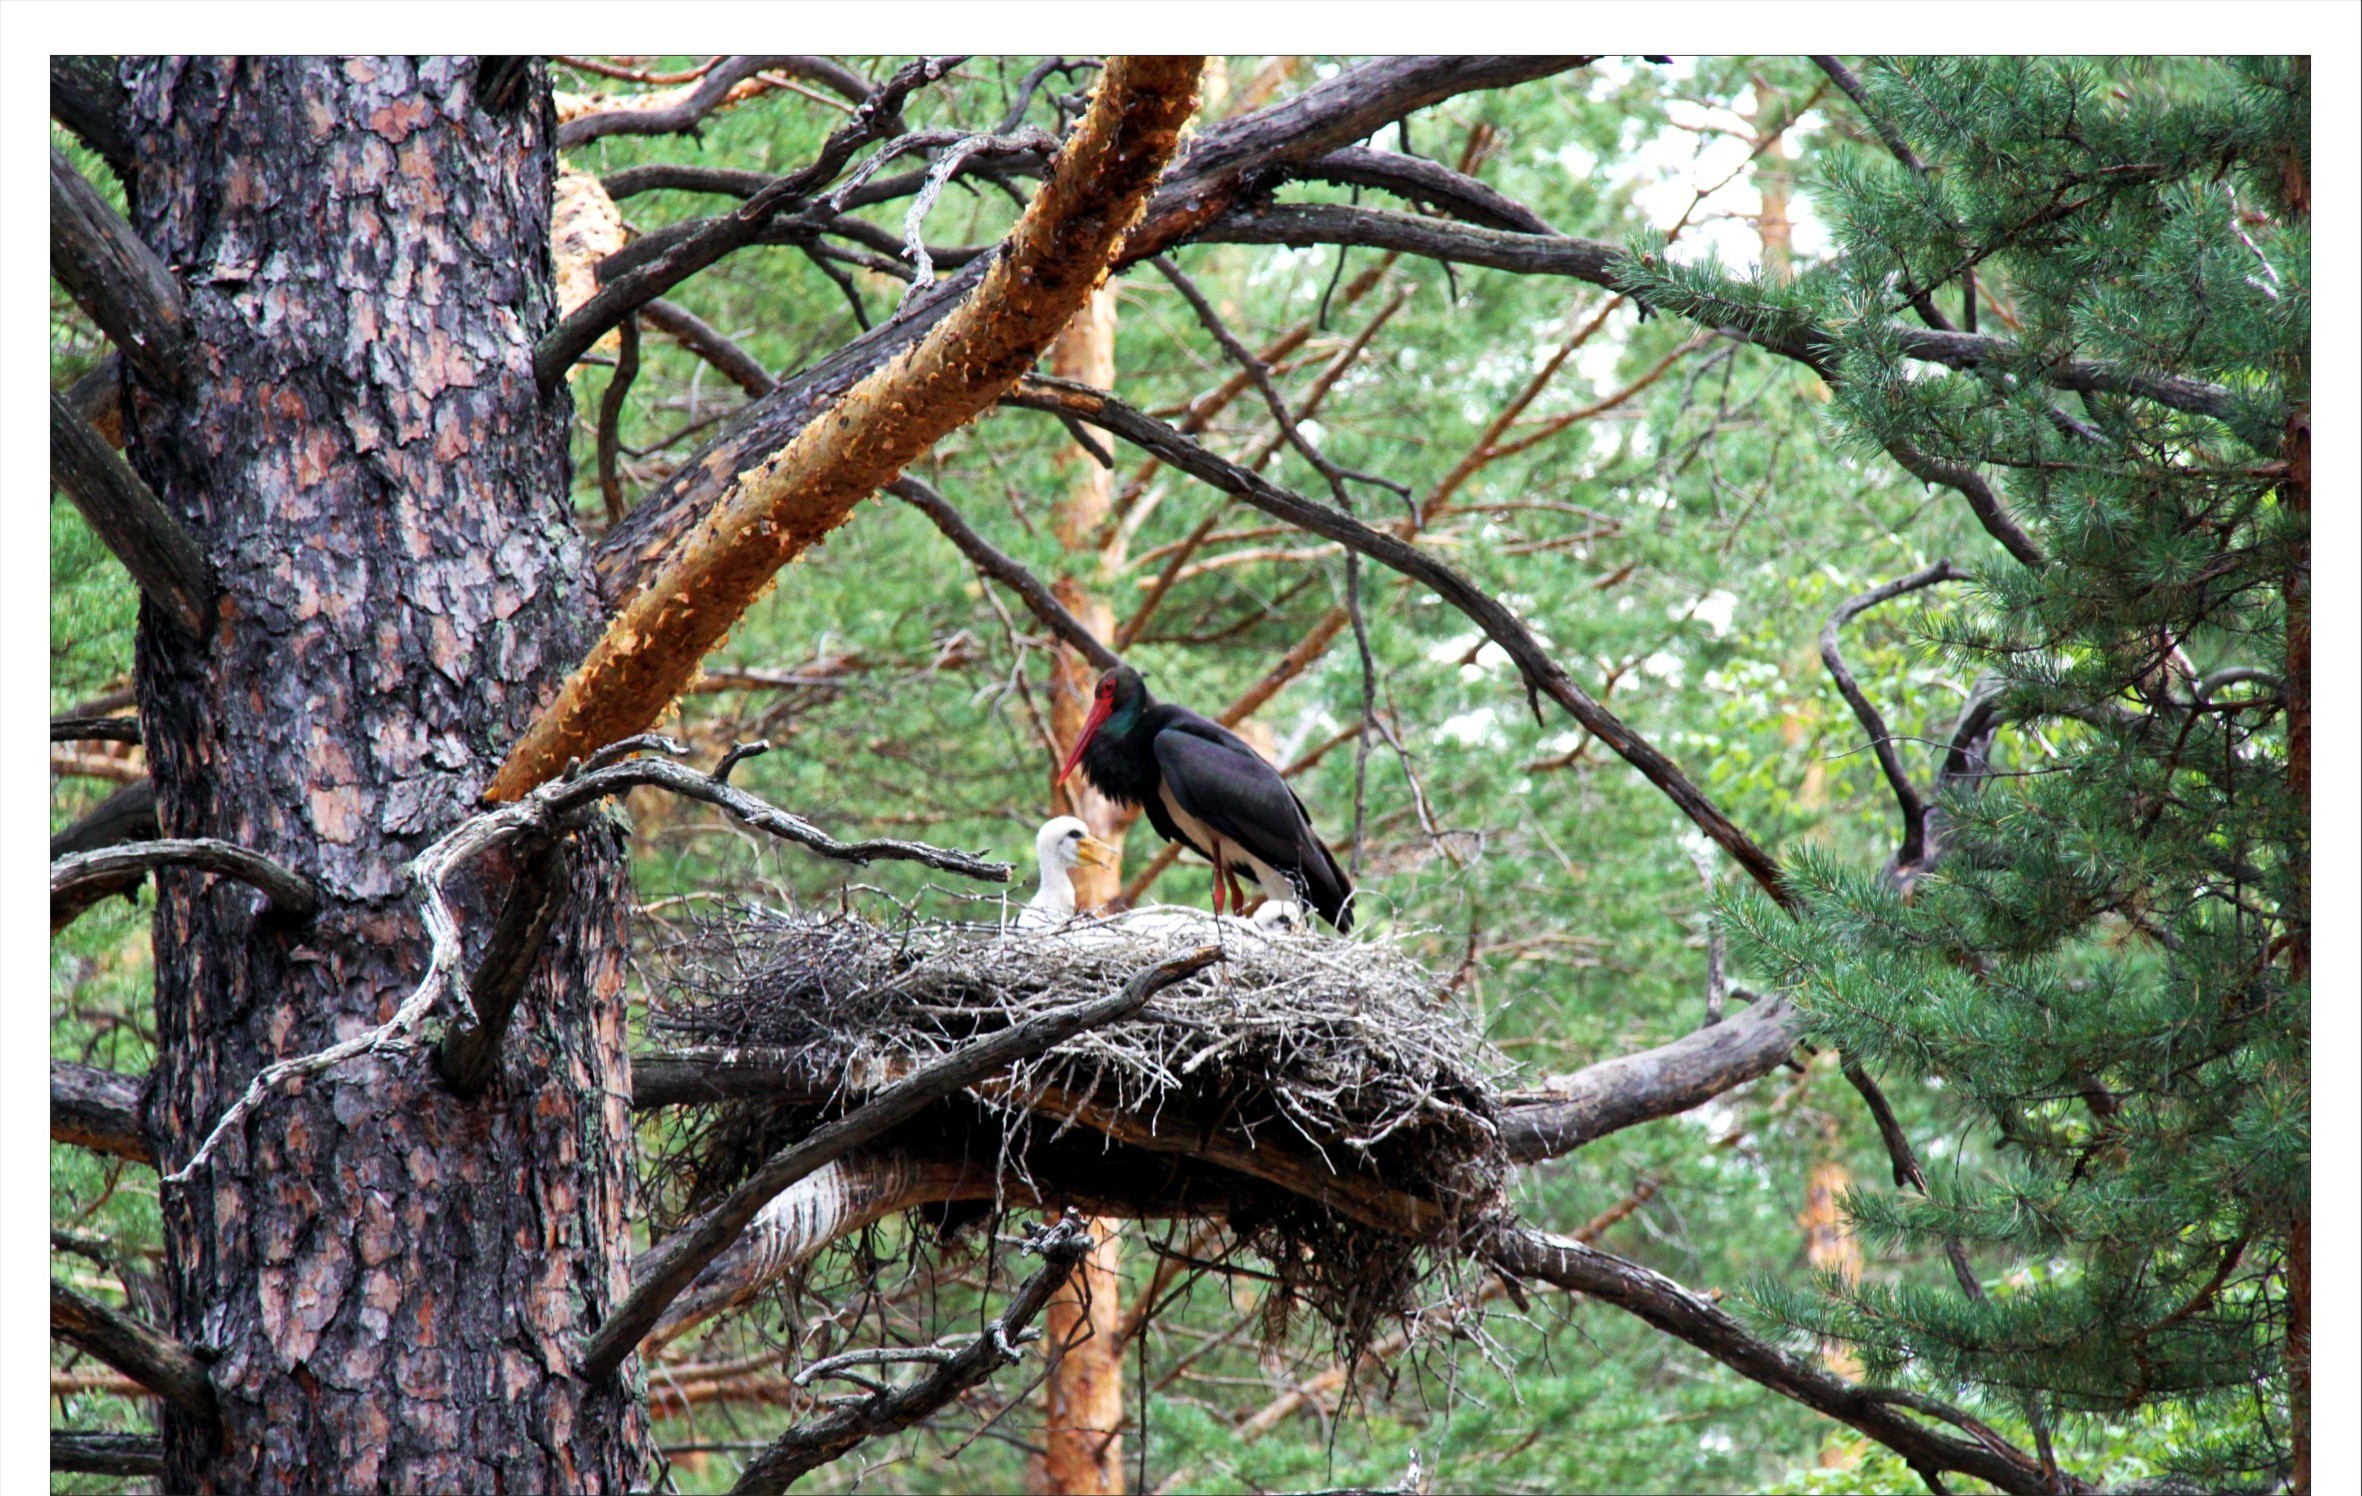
<point>1276,885</point>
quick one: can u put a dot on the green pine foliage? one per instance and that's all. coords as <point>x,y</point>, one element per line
<point>2104,970</point>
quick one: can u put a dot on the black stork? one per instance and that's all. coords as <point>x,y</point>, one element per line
<point>1203,787</point>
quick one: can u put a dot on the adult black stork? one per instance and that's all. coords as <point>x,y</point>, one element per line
<point>1203,787</point>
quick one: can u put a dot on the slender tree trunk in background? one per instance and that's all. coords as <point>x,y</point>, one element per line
<point>392,1281</point>
<point>1084,1394</point>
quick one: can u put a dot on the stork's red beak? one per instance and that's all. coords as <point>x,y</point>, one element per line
<point>1100,707</point>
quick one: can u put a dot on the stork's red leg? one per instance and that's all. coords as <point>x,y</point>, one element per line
<point>1238,894</point>
<point>1219,870</point>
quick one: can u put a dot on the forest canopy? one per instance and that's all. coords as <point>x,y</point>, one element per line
<point>1782,581</point>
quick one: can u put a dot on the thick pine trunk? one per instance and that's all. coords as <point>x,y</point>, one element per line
<point>392,1281</point>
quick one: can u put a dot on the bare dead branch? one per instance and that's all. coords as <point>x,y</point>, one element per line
<point>619,384</point>
<point>1224,161</point>
<point>87,97</point>
<point>674,1265</point>
<point>164,560</point>
<point>1568,1111</point>
<point>129,814</point>
<point>791,498</point>
<point>471,1051</point>
<point>115,278</point>
<point>620,294</point>
<point>808,1446</point>
<point>292,895</point>
<point>97,397</point>
<point>713,91</point>
<point>1914,810</point>
<point>1301,224</point>
<point>1428,182</point>
<point>157,1362</point>
<point>99,1110</point>
<point>692,332</point>
<point>1696,1320</point>
<point>1542,675</point>
<point>1000,566</point>
<point>94,729</point>
<point>105,1454</point>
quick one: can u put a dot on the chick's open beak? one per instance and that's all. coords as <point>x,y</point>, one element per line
<point>1092,852</point>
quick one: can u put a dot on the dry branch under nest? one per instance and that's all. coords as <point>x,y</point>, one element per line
<point>1346,1051</point>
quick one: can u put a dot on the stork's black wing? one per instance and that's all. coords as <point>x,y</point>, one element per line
<point>1216,777</point>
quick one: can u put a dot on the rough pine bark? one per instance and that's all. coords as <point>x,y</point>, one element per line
<point>391,1282</point>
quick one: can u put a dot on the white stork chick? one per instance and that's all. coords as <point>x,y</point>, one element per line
<point>1063,844</point>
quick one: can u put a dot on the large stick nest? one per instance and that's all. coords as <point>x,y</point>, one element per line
<point>1344,1050</point>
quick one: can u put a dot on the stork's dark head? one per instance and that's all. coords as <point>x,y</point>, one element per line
<point>1116,704</point>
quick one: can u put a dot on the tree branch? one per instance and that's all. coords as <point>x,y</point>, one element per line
<point>1223,163</point>
<point>164,560</point>
<point>1982,501</point>
<point>808,1446</point>
<point>773,509</point>
<point>1568,1111</point>
<point>99,1110</point>
<point>621,294</point>
<point>1541,674</point>
<point>87,97</point>
<point>115,278</point>
<point>994,563</point>
<point>471,1051</point>
<point>675,1264</point>
<point>1914,844</point>
<point>692,332</point>
<point>105,1454</point>
<point>157,1362</point>
<point>94,729</point>
<point>711,93</point>
<point>1428,182</point>
<point>610,427</point>
<point>1696,1320</point>
<point>1301,224</point>
<point>292,895</point>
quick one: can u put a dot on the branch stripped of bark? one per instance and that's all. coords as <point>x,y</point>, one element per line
<point>1002,567</point>
<point>1224,162</point>
<point>164,560</point>
<point>775,508</point>
<point>808,1446</point>
<point>157,1362</point>
<point>71,878</point>
<point>99,1110</point>
<point>1542,675</point>
<point>674,1265</point>
<point>1696,1320</point>
<point>115,278</point>
<point>1914,809</point>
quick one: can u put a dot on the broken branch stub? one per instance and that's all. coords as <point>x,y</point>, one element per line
<point>776,507</point>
